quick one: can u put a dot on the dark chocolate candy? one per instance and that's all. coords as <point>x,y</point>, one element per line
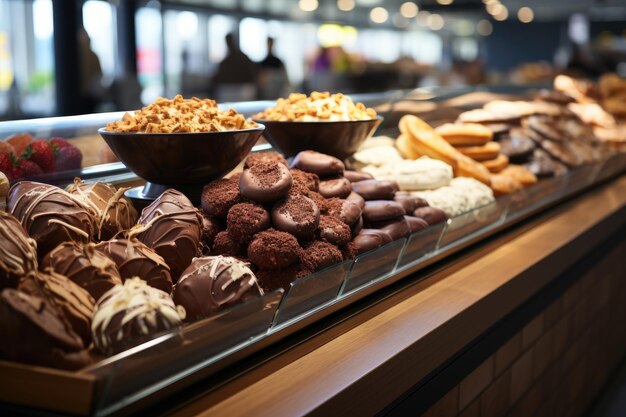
<point>356,199</point>
<point>213,283</point>
<point>134,259</point>
<point>219,196</point>
<point>318,163</point>
<point>265,182</point>
<point>336,187</point>
<point>369,239</point>
<point>395,228</point>
<point>272,279</point>
<point>518,147</point>
<point>305,180</point>
<point>344,210</point>
<point>296,214</point>
<point>273,249</point>
<point>431,215</point>
<point>132,314</point>
<point>334,231</point>
<point>50,215</point>
<point>246,220</point>
<point>376,189</point>
<point>416,223</point>
<point>379,210</point>
<point>356,176</point>
<point>319,255</point>
<point>264,157</point>
<point>410,202</point>
<point>85,266</point>
<point>18,252</point>
<point>170,226</point>
<point>226,244</point>
<point>34,332</point>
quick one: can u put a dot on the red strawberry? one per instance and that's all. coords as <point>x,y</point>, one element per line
<point>60,143</point>
<point>41,153</point>
<point>20,142</point>
<point>29,168</point>
<point>6,147</point>
<point>6,162</point>
<point>69,158</point>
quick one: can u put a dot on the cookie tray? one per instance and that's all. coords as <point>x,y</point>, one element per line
<point>150,372</point>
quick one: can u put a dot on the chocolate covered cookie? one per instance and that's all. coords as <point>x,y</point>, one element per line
<point>272,279</point>
<point>356,199</point>
<point>416,223</point>
<point>273,249</point>
<point>344,210</point>
<point>219,196</point>
<point>335,187</point>
<point>369,239</point>
<point>431,215</point>
<point>264,157</point>
<point>333,231</point>
<point>305,181</point>
<point>356,176</point>
<point>265,182</point>
<point>245,220</point>
<point>396,228</point>
<point>296,214</point>
<point>376,189</point>
<point>225,244</point>
<point>379,210</point>
<point>319,255</point>
<point>318,163</point>
<point>409,202</point>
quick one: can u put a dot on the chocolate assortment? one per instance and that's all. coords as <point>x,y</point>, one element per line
<point>18,252</point>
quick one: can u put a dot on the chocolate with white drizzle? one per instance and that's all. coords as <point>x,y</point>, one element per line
<point>132,314</point>
<point>111,209</point>
<point>18,252</point>
<point>212,283</point>
<point>50,215</point>
<point>170,226</point>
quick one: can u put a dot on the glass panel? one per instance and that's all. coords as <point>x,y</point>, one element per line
<point>421,244</point>
<point>538,195</point>
<point>311,291</point>
<point>582,177</point>
<point>373,265</point>
<point>613,166</point>
<point>462,226</point>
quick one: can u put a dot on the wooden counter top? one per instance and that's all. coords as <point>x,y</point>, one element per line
<point>365,362</point>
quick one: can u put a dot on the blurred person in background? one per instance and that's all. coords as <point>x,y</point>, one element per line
<point>236,76</point>
<point>92,91</point>
<point>273,80</point>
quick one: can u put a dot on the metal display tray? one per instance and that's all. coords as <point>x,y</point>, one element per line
<point>174,360</point>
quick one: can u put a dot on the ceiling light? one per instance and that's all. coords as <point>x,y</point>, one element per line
<point>400,21</point>
<point>525,15</point>
<point>445,2</point>
<point>435,22</point>
<point>484,28</point>
<point>422,18</point>
<point>308,5</point>
<point>379,15</point>
<point>345,5</point>
<point>502,15</point>
<point>408,9</point>
<point>494,8</point>
<point>463,28</point>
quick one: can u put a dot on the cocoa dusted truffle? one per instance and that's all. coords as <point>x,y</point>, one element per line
<point>272,279</point>
<point>170,226</point>
<point>75,304</point>
<point>318,163</point>
<point>273,249</point>
<point>334,231</point>
<point>84,265</point>
<point>226,244</point>
<point>264,157</point>
<point>265,182</point>
<point>319,255</point>
<point>131,314</point>
<point>50,215</point>
<point>245,220</point>
<point>219,196</point>
<point>134,259</point>
<point>213,283</point>
<point>112,211</point>
<point>305,180</point>
<point>296,214</point>
<point>18,252</point>
<point>34,332</point>
<point>344,210</point>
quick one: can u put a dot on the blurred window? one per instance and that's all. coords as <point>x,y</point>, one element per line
<point>99,22</point>
<point>149,27</point>
<point>465,48</point>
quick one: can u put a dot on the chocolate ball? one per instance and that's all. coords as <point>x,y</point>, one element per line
<point>318,163</point>
<point>246,220</point>
<point>84,265</point>
<point>273,249</point>
<point>131,314</point>
<point>319,255</point>
<point>18,252</point>
<point>226,244</point>
<point>265,182</point>
<point>333,231</point>
<point>170,226</point>
<point>50,215</point>
<point>112,211</point>
<point>344,210</point>
<point>264,157</point>
<point>335,187</point>
<point>34,332</point>
<point>272,279</point>
<point>219,196</point>
<point>134,259</point>
<point>70,299</point>
<point>376,189</point>
<point>213,283</point>
<point>297,215</point>
<point>431,215</point>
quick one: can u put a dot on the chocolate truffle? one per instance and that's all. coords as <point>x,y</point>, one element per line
<point>265,182</point>
<point>356,176</point>
<point>134,259</point>
<point>209,228</point>
<point>131,314</point>
<point>85,266</point>
<point>273,249</point>
<point>319,255</point>
<point>34,332</point>
<point>409,202</point>
<point>246,220</point>
<point>344,210</point>
<point>376,189</point>
<point>356,199</point>
<point>226,244</point>
<point>431,215</point>
<point>264,157</point>
<point>305,180</point>
<point>380,210</point>
<point>170,226</point>
<point>50,215</point>
<point>333,230</point>
<point>369,239</point>
<point>318,163</point>
<point>336,187</point>
<point>219,196</point>
<point>18,252</point>
<point>112,211</point>
<point>395,228</point>
<point>213,283</point>
<point>70,299</point>
<point>416,223</point>
<point>272,279</point>
<point>297,215</point>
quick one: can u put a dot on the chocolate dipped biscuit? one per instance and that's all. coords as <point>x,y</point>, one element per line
<point>264,157</point>
<point>319,255</point>
<point>416,223</point>
<point>219,196</point>
<point>265,182</point>
<point>34,332</point>
<point>273,249</point>
<point>333,231</point>
<point>357,227</point>
<point>50,215</point>
<point>369,239</point>
<point>83,264</point>
<point>131,314</point>
<point>170,225</point>
<point>226,244</point>
<point>517,145</point>
<point>318,163</point>
<point>409,202</point>
<point>346,211</point>
<point>213,283</point>
<point>305,180</point>
<point>396,228</point>
<point>245,220</point>
<point>356,176</point>
<point>335,187</point>
<point>112,211</point>
<point>18,252</point>
<point>134,259</point>
<point>296,214</point>
<point>356,199</point>
<point>379,210</point>
<point>376,189</point>
<point>431,215</point>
